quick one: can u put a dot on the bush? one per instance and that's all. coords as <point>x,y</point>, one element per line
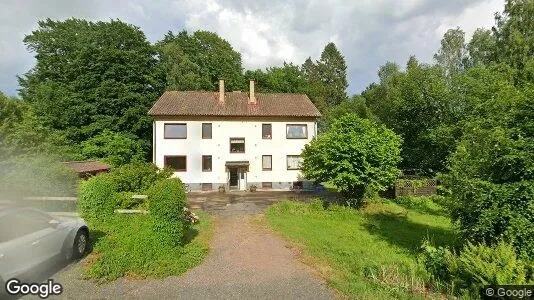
<point>357,156</point>
<point>97,199</point>
<point>474,267</point>
<point>138,176</point>
<point>166,201</point>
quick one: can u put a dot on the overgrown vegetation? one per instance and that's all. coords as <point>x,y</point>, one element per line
<point>366,254</point>
<point>159,244</point>
<point>356,156</point>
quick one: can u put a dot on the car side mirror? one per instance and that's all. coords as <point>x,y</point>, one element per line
<point>53,223</point>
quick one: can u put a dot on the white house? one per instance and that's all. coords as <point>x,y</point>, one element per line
<point>233,139</point>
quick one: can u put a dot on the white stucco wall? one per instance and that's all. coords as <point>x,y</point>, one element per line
<point>218,147</point>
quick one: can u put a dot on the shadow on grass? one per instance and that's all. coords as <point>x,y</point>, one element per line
<point>189,235</point>
<point>95,236</point>
<point>398,230</point>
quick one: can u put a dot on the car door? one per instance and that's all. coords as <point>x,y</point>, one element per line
<point>16,248</point>
<point>49,236</point>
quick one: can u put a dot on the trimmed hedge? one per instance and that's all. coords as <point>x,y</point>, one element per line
<point>166,201</point>
<point>137,177</point>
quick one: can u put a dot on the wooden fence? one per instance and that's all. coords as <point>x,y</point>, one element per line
<point>415,187</point>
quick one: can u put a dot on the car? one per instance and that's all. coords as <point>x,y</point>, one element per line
<point>31,238</point>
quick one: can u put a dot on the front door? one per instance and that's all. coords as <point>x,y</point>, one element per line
<point>234,178</point>
<point>242,180</point>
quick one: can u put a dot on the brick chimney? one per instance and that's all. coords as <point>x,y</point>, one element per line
<point>221,91</point>
<point>252,97</point>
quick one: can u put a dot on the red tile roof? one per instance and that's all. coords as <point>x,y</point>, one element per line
<point>87,166</point>
<point>177,103</point>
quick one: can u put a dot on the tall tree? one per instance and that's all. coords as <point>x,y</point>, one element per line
<point>288,78</point>
<point>91,76</point>
<point>198,61</point>
<point>482,47</point>
<point>452,56</point>
<point>327,77</point>
<point>514,31</point>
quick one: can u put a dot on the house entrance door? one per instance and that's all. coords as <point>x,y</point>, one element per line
<point>234,178</point>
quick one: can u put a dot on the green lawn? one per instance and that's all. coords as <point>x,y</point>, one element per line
<point>129,247</point>
<point>369,254</point>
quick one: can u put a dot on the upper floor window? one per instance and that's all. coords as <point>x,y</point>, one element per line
<point>296,131</point>
<point>206,130</point>
<point>266,131</point>
<point>206,163</point>
<point>177,163</point>
<point>175,131</point>
<point>237,145</point>
<point>293,162</point>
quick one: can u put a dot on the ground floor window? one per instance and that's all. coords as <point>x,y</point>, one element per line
<point>176,162</point>
<point>266,185</point>
<point>206,163</point>
<point>293,162</point>
<point>267,162</point>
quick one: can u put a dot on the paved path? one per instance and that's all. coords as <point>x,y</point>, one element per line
<point>246,262</point>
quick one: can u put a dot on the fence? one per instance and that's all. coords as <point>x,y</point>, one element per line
<point>415,187</point>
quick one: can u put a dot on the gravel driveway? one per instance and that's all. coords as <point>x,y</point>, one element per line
<point>246,261</point>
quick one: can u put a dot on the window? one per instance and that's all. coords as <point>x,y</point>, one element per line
<point>267,162</point>
<point>297,131</point>
<point>266,131</point>
<point>206,130</point>
<point>237,145</point>
<point>177,163</point>
<point>175,131</point>
<point>207,186</point>
<point>266,185</point>
<point>206,163</point>
<point>293,162</point>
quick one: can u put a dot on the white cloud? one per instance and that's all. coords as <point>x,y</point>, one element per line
<point>266,32</point>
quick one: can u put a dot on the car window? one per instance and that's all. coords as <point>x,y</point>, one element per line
<point>21,223</point>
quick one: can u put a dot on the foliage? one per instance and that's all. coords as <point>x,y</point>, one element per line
<point>354,105</point>
<point>114,148</point>
<point>466,273</point>
<point>424,204</point>
<point>91,76</point>
<point>285,79</point>
<point>452,56</point>
<point>97,199</point>
<point>146,255</point>
<point>35,176</point>
<point>355,155</point>
<point>364,254</point>
<point>327,78</point>
<point>416,105</point>
<point>138,177</point>
<point>198,61</point>
<point>166,201</point>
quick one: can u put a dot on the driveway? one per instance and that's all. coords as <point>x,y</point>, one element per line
<point>247,261</point>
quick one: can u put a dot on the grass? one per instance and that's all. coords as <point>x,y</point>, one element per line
<point>368,254</point>
<point>128,247</point>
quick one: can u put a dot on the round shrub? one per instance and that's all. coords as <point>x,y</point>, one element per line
<point>166,202</point>
<point>97,198</point>
<point>356,155</point>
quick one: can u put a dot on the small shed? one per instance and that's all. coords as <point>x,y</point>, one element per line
<point>88,168</point>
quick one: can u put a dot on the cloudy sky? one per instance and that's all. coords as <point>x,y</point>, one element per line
<point>266,32</point>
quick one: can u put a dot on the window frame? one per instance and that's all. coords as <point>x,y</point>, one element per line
<point>266,185</point>
<point>204,186</point>
<point>297,138</point>
<point>174,138</point>
<point>211,163</point>
<point>237,138</point>
<point>266,169</point>
<point>287,162</point>
<point>270,131</point>
<point>165,157</point>
<point>211,131</point>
